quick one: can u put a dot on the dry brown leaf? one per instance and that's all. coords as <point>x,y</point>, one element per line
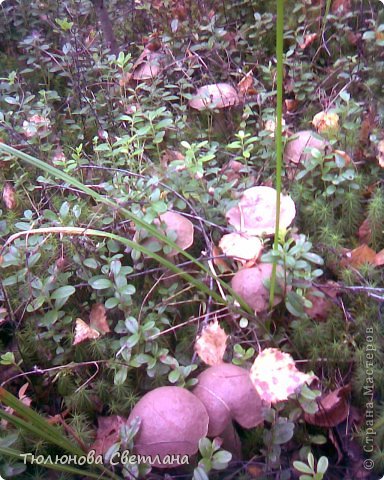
<point>22,395</point>
<point>365,232</point>
<point>341,7</point>
<point>379,258</point>
<point>321,305</point>
<point>9,196</point>
<point>211,344</point>
<point>108,433</point>
<point>245,86</point>
<point>333,409</point>
<point>220,263</point>
<point>98,318</point>
<point>358,256</point>
<point>84,332</point>
<point>291,105</point>
<point>308,40</point>
<point>275,376</point>
<point>98,325</point>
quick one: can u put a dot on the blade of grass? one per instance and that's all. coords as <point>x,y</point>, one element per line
<point>279,136</point>
<point>58,174</point>
<point>30,421</point>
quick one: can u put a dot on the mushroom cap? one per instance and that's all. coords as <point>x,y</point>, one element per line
<point>173,420</point>
<point>255,213</point>
<point>248,284</point>
<point>306,139</point>
<point>149,68</point>
<point>183,228</point>
<point>241,246</point>
<point>180,225</point>
<point>227,393</point>
<point>216,95</point>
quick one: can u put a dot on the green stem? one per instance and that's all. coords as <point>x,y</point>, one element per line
<point>279,139</point>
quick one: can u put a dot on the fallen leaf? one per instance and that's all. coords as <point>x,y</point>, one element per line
<point>308,40</point>
<point>97,325</point>
<point>211,344</point>
<point>108,433</point>
<point>365,232</point>
<point>98,318</point>
<point>333,409</point>
<point>291,105</point>
<point>245,86</point>
<point>219,262</point>
<point>341,7</point>
<point>358,256</point>
<point>321,304</point>
<point>379,258</point>
<point>22,395</point>
<point>275,376</point>
<point>9,196</point>
<point>84,332</point>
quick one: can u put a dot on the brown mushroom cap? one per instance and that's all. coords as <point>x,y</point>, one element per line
<point>173,420</point>
<point>248,283</point>
<point>180,225</point>
<point>255,213</point>
<point>217,95</point>
<point>227,393</point>
<point>149,68</point>
<point>296,149</point>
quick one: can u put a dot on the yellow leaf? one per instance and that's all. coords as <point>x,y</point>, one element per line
<point>210,345</point>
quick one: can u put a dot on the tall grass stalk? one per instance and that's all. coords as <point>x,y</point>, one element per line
<point>278,136</point>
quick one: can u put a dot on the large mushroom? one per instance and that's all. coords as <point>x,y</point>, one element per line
<point>228,394</point>
<point>248,283</point>
<point>173,420</point>
<point>256,212</point>
<point>215,96</point>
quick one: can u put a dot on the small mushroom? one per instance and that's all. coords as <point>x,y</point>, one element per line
<point>248,283</point>
<point>240,246</point>
<point>215,96</point>
<point>255,213</point>
<point>149,68</point>
<point>228,394</point>
<point>297,149</point>
<point>173,420</point>
<point>174,222</point>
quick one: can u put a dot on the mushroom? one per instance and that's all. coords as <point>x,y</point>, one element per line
<point>248,283</point>
<point>297,150</point>
<point>217,95</point>
<point>150,68</point>
<point>255,213</point>
<point>228,394</point>
<point>174,222</point>
<point>240,246</point>
<point>173,420</point>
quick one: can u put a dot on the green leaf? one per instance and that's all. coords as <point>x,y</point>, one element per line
<point>63,292</point>
<point>199,474</point>
<point>7,358</point>
<point>302,467</point>
<point>322,465</point>
<point>100,283</point>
